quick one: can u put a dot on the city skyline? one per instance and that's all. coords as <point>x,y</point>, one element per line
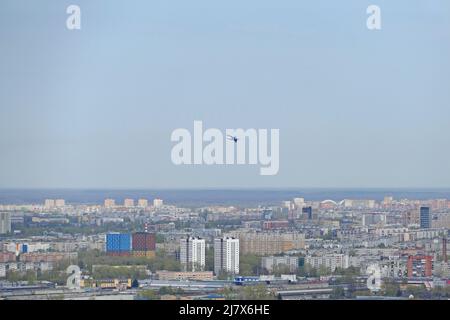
<point>297,249</point>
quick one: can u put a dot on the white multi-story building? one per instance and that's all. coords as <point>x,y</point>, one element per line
<point>358,203</point>
<point>128,203</point>
<point>332,261</point>
<point>226,255</point>
<point>157,203</point>
<point>273,262</point>
<point>5,222</point>
<point>385,232</point>
<point>49,203</point>
<point>59,203</point>
<point>299,202</point>
<point>143,203</point>
<point>286,204</point>
<point>109,203</point>
<point>192,254</point>
<point>25,266</point>
<point>2,270</point>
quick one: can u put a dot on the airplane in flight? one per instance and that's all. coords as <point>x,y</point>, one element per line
<point>232,138</point>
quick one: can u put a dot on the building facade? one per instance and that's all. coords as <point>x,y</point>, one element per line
<point>177,275</point>
<point>118,244</point>
<point>128,203</point>
<point>143,203</point>
<point>420,266</point>
<point>226,255</point>
<point>192,254</point>
<point>5,222</point>
<point>331,261</point>
<point>109,203</point>
<point>272,263</point>
<point>157,203</point>
<point>268,243</point>
<point>425,217</point>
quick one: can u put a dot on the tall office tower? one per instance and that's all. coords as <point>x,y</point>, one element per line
<point>425,217</point>
<point>157,203</point>
<point>192,254</point>
<point>5,222</point>
<point>49,203</point>
<point>109,203</point>
<point>308,212</point>
<point>143,203</point>
<point>128,203</point>
<point>226,255</point>
<point>59,203</point>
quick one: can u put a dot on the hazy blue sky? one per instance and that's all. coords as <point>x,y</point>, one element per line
<point>96,107</point>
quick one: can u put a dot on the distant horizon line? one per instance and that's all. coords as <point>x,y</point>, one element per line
<point>220,188</point>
